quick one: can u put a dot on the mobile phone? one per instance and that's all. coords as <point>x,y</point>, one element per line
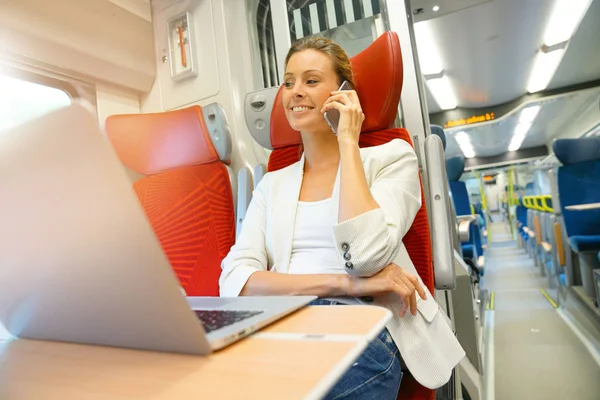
<point>333,116</point>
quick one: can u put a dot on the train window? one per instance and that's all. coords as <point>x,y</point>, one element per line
<point>350,23</point>
<point>22,100</point>
<point>266,44</point>
<point>354,24</point>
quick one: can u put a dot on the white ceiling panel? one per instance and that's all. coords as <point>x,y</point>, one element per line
<point>488,49</point>
<point>581,62</point>
<point>557,112</point>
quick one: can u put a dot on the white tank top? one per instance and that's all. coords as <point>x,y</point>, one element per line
<point>313,249</point>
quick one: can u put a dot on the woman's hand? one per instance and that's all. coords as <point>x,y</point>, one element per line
<point>391,279</point>
<point>351,115</point>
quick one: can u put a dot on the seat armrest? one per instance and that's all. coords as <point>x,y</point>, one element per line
<point>464,225</point>
<point>529,232</point>
<point>244,195</point>
<point>441,227</point>
<point>259,171</point>
<point>469,218</point>
<point>547,247</point>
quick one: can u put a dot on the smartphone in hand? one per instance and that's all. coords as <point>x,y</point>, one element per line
<point>333,116</point>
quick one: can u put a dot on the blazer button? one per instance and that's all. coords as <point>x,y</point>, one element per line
<point>349,265</point>
<point>345,246</point>
<point>347,256</point>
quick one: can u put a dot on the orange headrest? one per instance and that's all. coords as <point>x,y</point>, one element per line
<point>378,75</point>
<point>153,143</point>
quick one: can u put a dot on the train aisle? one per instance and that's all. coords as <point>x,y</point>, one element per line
<point>536,355</point>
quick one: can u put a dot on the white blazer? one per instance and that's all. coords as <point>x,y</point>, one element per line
<point>372,240</point>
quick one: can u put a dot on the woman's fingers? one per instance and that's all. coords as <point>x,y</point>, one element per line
<point>350,93</point>
<point>347,98</point>
<point>404,293</point>
<point>418,287</point>
<point>333,105</point>
<point>411,298</point>
<point>337,100</point>
<point>342,98</point>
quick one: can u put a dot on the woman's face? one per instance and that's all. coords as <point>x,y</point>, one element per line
<point>309,80</point>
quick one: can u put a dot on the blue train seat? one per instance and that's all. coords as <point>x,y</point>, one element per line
<point>579,183</point>
<point>472,248</point>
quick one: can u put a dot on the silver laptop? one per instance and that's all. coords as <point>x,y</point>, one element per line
<point>79,261</point>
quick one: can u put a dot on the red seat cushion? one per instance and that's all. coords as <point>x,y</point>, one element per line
<point>191,212</point>
<point>410,389</point>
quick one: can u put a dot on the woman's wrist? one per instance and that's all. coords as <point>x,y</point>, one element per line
<point>347,144</point>
<point>342,285</point>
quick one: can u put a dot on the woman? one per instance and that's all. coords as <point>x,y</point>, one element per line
<point>331,225</point>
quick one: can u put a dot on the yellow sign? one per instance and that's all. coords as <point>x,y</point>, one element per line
<point>475,119</point>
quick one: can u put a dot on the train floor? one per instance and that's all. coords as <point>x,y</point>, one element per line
<point>536,353</point>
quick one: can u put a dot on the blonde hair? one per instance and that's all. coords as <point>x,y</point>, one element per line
<point>335,52</point>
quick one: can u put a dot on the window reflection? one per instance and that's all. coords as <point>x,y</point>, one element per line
<point>21,101</point>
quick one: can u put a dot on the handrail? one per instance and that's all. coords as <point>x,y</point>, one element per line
<point>545,207</point>
<point>537,203</point>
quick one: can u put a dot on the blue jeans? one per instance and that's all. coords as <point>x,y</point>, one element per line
<point>375,375</point>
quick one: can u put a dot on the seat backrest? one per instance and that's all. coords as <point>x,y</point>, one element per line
<point>439,131</point>
<point>378,75</point>
<point>455,167</point>
<point>579,183</point>
<point>185,190</point>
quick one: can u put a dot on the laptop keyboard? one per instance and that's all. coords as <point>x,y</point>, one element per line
<point>217,319</point>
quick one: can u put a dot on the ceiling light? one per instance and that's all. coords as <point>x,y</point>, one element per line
<point>528,114</point>
<point>464,142</point>
<point>468,153</point>
<point>462,137</point>
<point>429,56</point>
<point>436,8</point>
<point>442,92</point>
<point>522,128</point>
<point>520,131</point>
<point>516,142</point>
<point>564,20</point>
<point>544,67</point>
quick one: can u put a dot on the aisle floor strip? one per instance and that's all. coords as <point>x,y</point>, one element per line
<point>547,296</point>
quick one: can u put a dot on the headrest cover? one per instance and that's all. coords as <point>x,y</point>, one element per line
<point>455,167</point>
<point>573,151</point>
<point>378,75</point>
<point>529,189</point>
<point>153,143</point>
<point>439,131</point>
<point>218,129</point>
<point>257,112</point>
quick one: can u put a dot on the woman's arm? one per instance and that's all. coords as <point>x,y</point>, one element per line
<point>248,255</point>
<point>355,194</point>
<point>391,279</point>
<point>371,241</point>
<point>267,283</point>
<point>372,220</point>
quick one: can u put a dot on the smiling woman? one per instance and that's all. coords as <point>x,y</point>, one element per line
<point>21,101</point>
<point>332,224</point>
